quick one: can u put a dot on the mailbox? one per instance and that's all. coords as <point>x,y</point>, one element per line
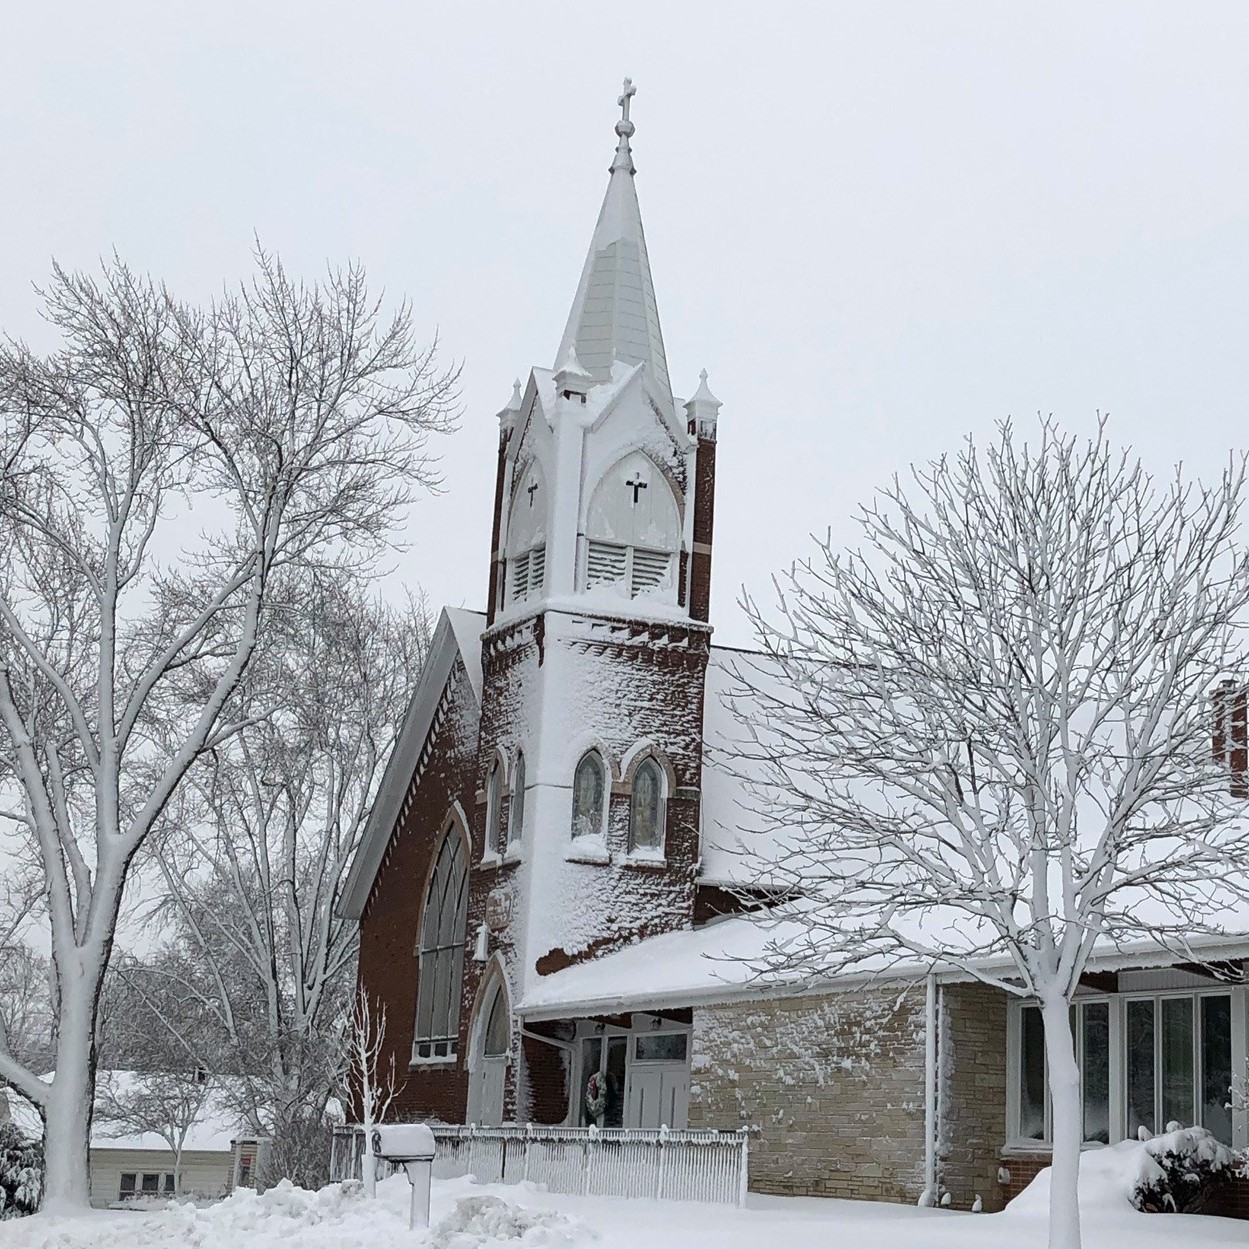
<point>411,1146</point>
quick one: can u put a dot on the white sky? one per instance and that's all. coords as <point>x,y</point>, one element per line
<point>878,226</point>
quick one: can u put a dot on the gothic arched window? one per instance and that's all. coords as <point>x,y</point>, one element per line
<point>646,808</point>
<point>518,800</point>
<point>496,837</point>
<point>440,969</point>
<point>495,1039</point>
<point>589,784</point>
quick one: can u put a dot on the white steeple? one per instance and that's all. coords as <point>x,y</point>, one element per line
<point>614,315</point>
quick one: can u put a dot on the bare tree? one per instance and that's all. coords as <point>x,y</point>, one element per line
<point>26,1020</point>
<point>372,1083</point>
<point>166,472</point>
<point>989,736</point>
<point>167,1104</point>
<point>254,865</point>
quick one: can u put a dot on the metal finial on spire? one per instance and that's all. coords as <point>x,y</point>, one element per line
<point>624,128</point>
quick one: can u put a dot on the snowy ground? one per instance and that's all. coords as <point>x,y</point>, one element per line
<point>523,1216</point>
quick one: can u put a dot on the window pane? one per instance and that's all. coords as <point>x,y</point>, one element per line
<point>1140,1065</point>
<point>617,1056</point>
<point>661,1047</point>
<point>496,1038</point>
<point>151,1183</point>
<point>494,810</point>
<point>1178,1067</point>
<point>645,832</point>
<point>591,1060</point>
<point>127,1184</point>
<point>518,800</point>
<point>1216,1066</point>
<point>587,797</point>
<point>1095,1042</point>
<point>1032,1075</point>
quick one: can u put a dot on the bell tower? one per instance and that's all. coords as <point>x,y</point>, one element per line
<point>587,822</point>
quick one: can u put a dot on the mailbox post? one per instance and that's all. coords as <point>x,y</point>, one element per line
<point>412,1146</point>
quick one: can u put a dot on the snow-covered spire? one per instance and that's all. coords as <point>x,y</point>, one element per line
<point>507,413</point>
<point>703,409</point>
<point>614,315</point>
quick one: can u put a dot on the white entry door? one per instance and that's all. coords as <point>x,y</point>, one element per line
<point>490,1077</point>
<point>659,1095</point>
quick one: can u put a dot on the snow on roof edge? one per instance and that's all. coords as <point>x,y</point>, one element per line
<point>458,633</point>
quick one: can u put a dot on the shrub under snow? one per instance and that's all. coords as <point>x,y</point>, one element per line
<point>21,1173</point>
<point>1171,1172</point>
<point>478,1221</point>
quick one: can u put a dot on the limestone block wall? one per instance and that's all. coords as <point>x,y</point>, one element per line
<point>834,1083</point>
<point>973,1101</point>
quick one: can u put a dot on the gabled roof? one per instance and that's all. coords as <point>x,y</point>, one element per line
<point>458,635</point>
<point>614,315</point>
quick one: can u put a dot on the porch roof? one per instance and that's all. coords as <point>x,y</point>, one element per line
<point>723,961</point>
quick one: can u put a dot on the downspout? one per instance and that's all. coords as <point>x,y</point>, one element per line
<point>929,1196</point>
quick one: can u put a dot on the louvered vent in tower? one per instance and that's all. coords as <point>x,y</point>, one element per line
<point>537,569</point>
<point>650,570</point>
<point>520,576</point>
<point>605,563</point>
<point>528,573</point>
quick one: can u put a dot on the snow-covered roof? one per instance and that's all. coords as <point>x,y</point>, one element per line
<point>736,831</point>
<point>215,1129</point>
<point>615,315</point>
<point>458,635</point>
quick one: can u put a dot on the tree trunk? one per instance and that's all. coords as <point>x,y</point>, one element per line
<point>1064,1083</point>
<point>71,1097</point>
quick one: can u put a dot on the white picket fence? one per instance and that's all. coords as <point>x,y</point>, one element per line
<point>605,1162</point>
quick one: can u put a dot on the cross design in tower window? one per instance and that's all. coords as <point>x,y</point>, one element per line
<point>635,485</point>
<point>531,489</point>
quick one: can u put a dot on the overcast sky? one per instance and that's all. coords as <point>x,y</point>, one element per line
<point>878,226</point>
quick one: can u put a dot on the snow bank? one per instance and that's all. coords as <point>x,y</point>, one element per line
<point>477,1222</point>
<point>1130,1172</point>
<point>286,1217</point>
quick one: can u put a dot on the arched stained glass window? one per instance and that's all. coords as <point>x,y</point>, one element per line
<point>588,786</point>
<point>518,800</point>
<point>496,837</point>
<point>440,968</point>
<point>646,808</point>
<point>495,1039</point>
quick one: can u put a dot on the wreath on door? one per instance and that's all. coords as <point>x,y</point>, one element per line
<point>596,1096</point>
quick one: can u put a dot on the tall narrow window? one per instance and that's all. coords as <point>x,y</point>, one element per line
<point>518,801</point>
<point>1140,1066</point>
<point>1216,1066</point>
<point>1177,1062</point>
<point>1031,1075</point>
<point>496,839</point>
<point>646,808</point>
<point>440,968</point>
<point>1095,1055</point>
<point>588,786</point>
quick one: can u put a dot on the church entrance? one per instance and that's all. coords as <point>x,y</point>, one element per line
<point>488,1078</point>
<point>636,1077</point>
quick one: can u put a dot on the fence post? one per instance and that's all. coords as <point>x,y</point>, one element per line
<point>525,1154</point>
<point>744,1174</point>
<point>591,1138</point>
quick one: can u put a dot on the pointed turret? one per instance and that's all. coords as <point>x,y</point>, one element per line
<point>614,315</point>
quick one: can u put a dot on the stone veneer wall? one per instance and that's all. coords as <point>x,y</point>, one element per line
<point>835,1085</point>
<point>973,1053</point>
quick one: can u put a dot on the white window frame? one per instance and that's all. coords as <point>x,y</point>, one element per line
<point>1118,1110</point>
<point>656,853</point>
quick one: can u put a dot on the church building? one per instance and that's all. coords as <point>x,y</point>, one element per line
<point>552,909</point>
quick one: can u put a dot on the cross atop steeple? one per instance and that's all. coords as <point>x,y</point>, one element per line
<point>614,316</point>
<point>624,128</point>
